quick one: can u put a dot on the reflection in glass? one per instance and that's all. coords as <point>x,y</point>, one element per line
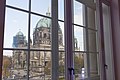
<point>93,58</point>
<point>79,66</point>
<point>41,6</point>
<point>16,26</point>
<point>24,4</point>
<point>91,18</point>
<point>14,64</point>
<point>61,9</point>
<point>78,13</point>
<point>78,38</point>
<point>92,36</point>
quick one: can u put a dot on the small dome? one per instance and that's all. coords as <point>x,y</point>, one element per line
<point>19,33</point>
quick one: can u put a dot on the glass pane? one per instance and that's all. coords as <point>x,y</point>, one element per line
<point>61,35</point>
<point>61,65</point>
<point>40,32</point>
<point>61,9</point>
<point>93,59</point>
<point>24,4</point>
<point>80,66</point>
<point>78,13</point>
<point>78,38</point>
<point>16,29</point>
<point>41,6</point>
<point>14,64</point>
<point>91,18</point>
<point>40,65</point>
<point>92,38</point>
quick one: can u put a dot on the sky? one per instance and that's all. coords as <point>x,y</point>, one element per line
<point>16,21</point>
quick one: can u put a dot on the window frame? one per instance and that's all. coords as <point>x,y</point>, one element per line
<point>2,9</point>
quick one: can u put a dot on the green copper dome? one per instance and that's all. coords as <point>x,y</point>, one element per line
<point>44,22</point>
<point>42,31</point>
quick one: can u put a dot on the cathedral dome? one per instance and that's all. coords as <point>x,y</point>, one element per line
<point>42,32</point>
<point>45,23</point>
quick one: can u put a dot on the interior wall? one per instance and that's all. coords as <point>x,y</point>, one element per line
<point>115,15</point>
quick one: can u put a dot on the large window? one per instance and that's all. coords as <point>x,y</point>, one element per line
<point>86,46</point>
<point>28,40</point>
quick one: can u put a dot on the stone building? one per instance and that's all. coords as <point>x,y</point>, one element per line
<point>41,41</point>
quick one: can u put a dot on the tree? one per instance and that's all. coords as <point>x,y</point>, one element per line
<point>6,66</point>
<point>79,63</point>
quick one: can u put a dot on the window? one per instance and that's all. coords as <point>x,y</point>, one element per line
<point>86,46</point>
<point>28,20</point>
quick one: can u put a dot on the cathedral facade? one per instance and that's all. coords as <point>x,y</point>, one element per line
<point>41,42</point>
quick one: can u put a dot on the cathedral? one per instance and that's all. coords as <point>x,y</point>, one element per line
<point>42,42</point>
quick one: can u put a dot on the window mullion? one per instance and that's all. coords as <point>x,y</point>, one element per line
<point>87,41</point>
<point>28,53</point>
<point>69,67</point>
<point>55,54</point>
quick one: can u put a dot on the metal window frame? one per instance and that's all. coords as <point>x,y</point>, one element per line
<point>88,3</point>
<point>28,54</point>
<point>103,71</point>
<point>54,54</point>
<point>87,41</point>
<point>101,39</point>
<point>68,31</point>
<point>29,12</point>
